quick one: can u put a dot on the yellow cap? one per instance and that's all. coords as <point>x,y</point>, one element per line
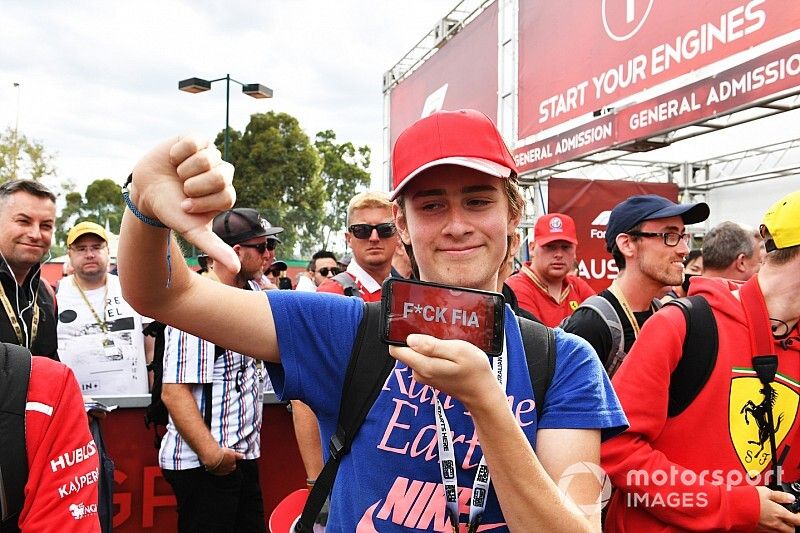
<point>83,228</point>
<point>783,222</point>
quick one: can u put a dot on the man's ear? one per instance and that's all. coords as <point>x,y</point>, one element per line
<point>626,244</point>
<point>401,223</point>
<point>739,263</point>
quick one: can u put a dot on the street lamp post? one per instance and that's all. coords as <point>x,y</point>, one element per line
<point>199,85</point>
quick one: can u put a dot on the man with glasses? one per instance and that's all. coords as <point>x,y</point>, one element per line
<point>372,237</point>
<point>647,237</point>
<point>101,338</point>
<point>323,266</point>
<point>723,451</point>
<point>99,335</point>
<point>213,396</point>
<point>27,219</point>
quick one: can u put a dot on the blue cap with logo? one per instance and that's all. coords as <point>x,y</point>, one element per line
<point>637,209</point>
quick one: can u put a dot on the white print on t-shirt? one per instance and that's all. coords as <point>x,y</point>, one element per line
<point>77,483</point>
<point>80,510</point>
<point>78,455</point>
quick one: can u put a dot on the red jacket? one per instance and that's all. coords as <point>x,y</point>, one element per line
<point>688,472</point>
<point>532,296</point>
<point>334,287</point>
<point>61,493</point>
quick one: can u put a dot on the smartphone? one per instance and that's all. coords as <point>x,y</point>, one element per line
<point>445,312</point>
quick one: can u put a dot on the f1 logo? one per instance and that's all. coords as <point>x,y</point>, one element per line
<point>622,19</point>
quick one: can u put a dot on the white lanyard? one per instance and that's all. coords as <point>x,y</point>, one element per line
<point>447,461</point>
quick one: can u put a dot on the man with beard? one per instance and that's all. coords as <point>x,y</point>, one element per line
<point>647,237</point>
<point>372,237</point>
<point>27,219</point>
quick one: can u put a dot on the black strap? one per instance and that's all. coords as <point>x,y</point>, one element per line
<point>348,284</point>
<point>208,389</point>
<point>15,372</point>
<point>541,363</point>
<point>370,364</point>
<point>699,356</point>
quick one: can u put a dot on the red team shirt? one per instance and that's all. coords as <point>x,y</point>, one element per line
<point>533,296</point>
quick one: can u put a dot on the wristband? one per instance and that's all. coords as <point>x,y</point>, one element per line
<point>218,462</point>
<point>138,214</point>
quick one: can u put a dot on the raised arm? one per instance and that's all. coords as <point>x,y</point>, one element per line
<point>183,183</point>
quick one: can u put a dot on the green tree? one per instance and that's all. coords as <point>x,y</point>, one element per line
<point>278,173</point>
<point>102,203</point>
<point>21,157</point>
<point>344,171</point>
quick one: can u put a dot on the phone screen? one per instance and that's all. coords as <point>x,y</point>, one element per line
<point>441,311</point>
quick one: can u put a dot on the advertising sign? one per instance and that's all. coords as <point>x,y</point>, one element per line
<point>619,48</point>
<point>461,74</point>
<point>589,203</point>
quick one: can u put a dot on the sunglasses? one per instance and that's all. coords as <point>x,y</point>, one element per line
<point>329,270</point>
<point>261,247</point>
<point>364,231</point>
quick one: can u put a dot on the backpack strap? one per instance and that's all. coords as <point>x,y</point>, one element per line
<point>603,307</point>
<point>700,346</point>
<point>370,364</point>
<point>15,373</point>
<point>540,352</point>
<point>348,284</point>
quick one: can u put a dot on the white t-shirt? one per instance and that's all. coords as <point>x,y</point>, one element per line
<point>105,363</point>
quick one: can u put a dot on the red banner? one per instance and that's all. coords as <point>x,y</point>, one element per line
<point>143,500</point>
<point>618,48</point>
<point>462,74</point>
<point>728,91</point>
<point>589,203</point>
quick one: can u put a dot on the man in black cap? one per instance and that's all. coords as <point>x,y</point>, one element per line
<point>213,396</point>
<point>647,237</point>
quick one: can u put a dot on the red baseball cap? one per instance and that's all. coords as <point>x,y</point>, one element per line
<point>554,227</point>
<point>465,137</point>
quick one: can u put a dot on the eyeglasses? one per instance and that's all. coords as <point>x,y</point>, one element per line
<point>364,231</point>
<point>94,248</point>
<point>670,239</point>
<point>261,247</point>
<point>324,271</point>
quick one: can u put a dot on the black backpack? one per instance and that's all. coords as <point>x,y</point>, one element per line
<point>15,373</point>
<point>156,414</point>
<point>370,365</point>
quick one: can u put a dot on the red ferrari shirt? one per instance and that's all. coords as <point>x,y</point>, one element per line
<point>533,296</point>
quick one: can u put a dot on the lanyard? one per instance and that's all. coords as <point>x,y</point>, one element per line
<point>100,322</point>
<point>12,317</point>
<point>447,461</point>
<point>617,292</point>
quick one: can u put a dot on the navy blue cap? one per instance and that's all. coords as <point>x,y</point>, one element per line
<point>637,209</point>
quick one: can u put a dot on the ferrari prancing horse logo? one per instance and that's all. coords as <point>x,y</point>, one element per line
<point>748,422</point>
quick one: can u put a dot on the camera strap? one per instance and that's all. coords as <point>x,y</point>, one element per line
<point>447,460</point>
<point>765,362</point>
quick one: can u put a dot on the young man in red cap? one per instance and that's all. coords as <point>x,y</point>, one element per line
<point>708,466</point>
<point>544,285</point>
<point>456,208</point>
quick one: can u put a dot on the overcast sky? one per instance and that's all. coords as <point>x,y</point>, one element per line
<point>98,80</point>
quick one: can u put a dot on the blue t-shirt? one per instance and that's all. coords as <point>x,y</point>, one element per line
<point>390,481</point>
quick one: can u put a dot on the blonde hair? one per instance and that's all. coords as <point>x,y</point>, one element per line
<point>366,199</point>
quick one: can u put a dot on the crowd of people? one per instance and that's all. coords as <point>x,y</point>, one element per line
<point>693,435</point>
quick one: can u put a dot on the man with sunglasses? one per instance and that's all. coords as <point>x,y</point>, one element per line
<point>213,396</point>
<point>647,237</point>
<point>372,237</point>
<point>322,267</point>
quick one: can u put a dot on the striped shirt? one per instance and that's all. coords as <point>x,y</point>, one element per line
<point>236,398</point>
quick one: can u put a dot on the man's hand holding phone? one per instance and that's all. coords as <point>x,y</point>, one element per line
<point>454,367</point>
